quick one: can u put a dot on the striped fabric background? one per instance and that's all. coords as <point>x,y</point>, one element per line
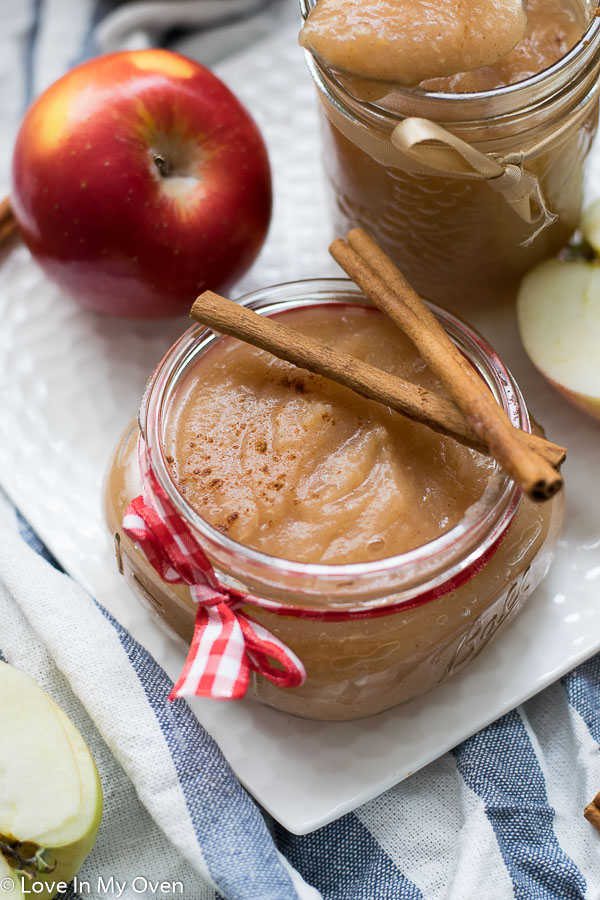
<point>499,817</point>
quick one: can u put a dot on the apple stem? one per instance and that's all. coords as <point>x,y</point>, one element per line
<point>25,857</point>
<point>162,165</point>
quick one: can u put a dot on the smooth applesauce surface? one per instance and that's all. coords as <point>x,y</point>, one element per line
<point>553,28</point>
<point>408,40</point>
<point>289,463</point>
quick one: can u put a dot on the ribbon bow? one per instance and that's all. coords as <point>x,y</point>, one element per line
<point>432,150</point>
<point>227,643</point>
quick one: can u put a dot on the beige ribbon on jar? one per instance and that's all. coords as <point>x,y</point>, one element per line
<point>423,147</point>
<point>436,151</point>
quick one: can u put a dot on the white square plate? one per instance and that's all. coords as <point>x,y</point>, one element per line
<point>69,383</point>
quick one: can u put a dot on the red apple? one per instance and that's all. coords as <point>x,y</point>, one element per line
<point>139,180</point>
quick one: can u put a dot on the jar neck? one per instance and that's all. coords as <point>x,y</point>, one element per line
<point>349,586</point>
<point>530,109</point>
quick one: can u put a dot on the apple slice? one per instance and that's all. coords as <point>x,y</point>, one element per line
<point>50,793</point>
<point>558,309</point>
<point>8,878</point>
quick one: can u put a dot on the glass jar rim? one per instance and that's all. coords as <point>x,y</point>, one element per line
<point>582,52</point>
<point>486,519</point>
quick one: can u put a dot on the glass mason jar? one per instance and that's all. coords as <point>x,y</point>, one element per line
<point>370,634</point>
<point>457,240</point>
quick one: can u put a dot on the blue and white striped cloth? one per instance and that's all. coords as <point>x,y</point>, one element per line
<point>500,817</point>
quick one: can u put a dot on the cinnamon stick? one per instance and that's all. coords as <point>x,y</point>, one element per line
<point>592,812</point>
<point>5,209</point>
<point>8,224</point>
<point>537,478</point>
<point>383,266</point>
<point>413,401</point>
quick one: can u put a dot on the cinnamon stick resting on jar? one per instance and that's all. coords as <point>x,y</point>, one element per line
<point>382,265</point>
<point>387,288</point>
<point>415,402</point>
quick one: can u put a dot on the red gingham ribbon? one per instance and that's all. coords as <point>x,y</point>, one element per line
<point>227,643</point>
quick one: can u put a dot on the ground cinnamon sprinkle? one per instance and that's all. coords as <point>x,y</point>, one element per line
<point>225,526</point>
<point>296,384</point>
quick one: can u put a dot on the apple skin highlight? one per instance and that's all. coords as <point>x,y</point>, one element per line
<point>138,181</point>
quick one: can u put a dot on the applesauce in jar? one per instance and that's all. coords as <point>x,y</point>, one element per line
<point>458,239</point>
<point>392,553</point>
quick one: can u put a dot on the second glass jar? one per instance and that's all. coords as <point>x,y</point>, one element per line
<point>457,240</point>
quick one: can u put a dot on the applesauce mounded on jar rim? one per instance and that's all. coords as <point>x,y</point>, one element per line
<point>386,576</point>
<point>469,180</point>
